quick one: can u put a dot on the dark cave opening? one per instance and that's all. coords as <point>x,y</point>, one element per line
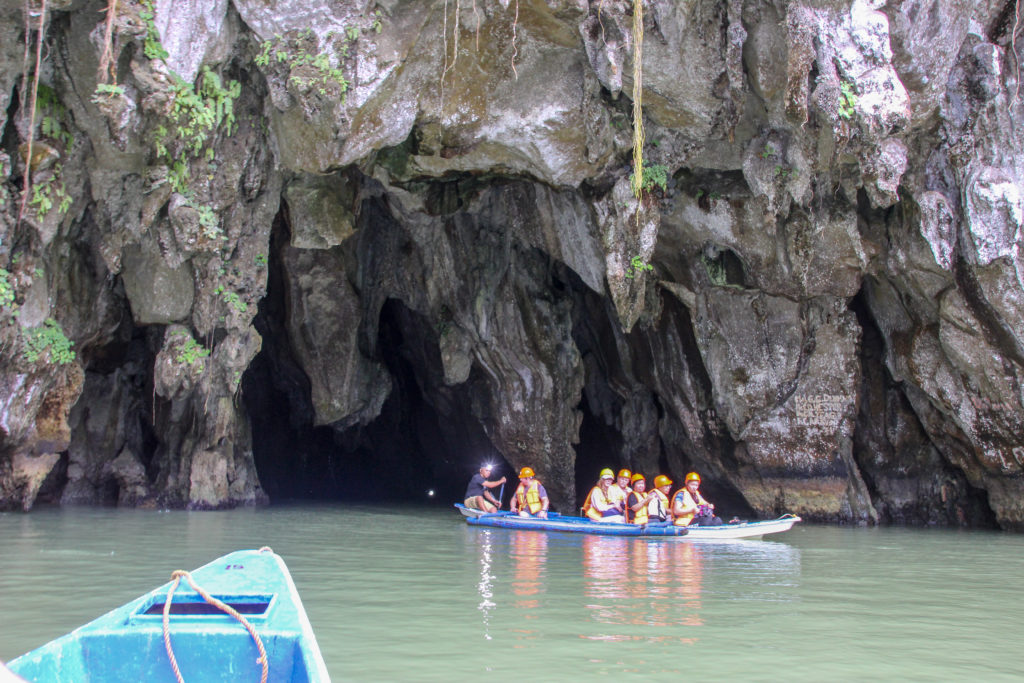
<point>883,404</point>
<point>600,446</point>
<point>422,447</point>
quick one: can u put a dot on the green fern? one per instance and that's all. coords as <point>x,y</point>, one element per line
<point>48,337</point>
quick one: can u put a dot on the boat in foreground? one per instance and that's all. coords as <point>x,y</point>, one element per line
<point>207,644</point>
<point>584,525</point>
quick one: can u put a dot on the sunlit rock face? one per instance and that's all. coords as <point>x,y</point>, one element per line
<point>351,249</point>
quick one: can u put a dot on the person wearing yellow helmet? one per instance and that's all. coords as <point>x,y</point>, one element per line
<point>531,498</point>
<point>621,489</point>
<point>637,500</point>
<point>478,492</point>
<point>660,508</point>
<point>601,505</point>
<point>690,507</point>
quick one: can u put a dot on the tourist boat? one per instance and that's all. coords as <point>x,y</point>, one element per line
<point>584,525</point>
<point>206,644</point>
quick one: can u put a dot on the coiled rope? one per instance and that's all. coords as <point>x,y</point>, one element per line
<point>176,576</point>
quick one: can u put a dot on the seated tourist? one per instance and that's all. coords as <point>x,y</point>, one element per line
<point>638,500</point>
<point>690,508</point>
<point>530,499</point>
<point>603,504</point>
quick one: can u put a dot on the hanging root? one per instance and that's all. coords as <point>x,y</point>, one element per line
<point>444,38</point>
<point>27,180</point>
<point>476,14</point>
<point>455,34</point>
<point>638,114</point>
<point>106,72</point>
<point>450,66</point>
<point>515,49</point>
<point>1013,45</point>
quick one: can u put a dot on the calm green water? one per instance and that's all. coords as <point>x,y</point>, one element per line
<point>417,595</point>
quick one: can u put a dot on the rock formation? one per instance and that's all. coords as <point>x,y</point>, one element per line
<point>348,249</point>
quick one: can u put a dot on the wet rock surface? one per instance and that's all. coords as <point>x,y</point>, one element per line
<point>348,250</point>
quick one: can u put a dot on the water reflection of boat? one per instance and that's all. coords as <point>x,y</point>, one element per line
<point>645,582</point>
<point>656,590</point>
<point>529,554</point>
<point>583,525</point>
<point>632,589</point>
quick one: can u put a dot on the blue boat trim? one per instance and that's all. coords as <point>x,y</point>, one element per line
<point>584,525</point>
<point>126,644</point>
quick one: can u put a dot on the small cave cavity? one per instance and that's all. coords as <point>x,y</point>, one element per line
<point>724,267</point>
<point>710,187</point>
<point>9,138</point>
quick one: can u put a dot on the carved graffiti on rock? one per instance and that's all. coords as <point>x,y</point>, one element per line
<point>821,410</point>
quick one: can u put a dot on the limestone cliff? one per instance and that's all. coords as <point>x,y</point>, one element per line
<point>349,248</point>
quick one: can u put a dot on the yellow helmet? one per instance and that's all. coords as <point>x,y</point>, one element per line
<point>661,480</point>
<point>636,477</point>
<point>607,473</point>
<point>526,472</point>
<point>692,476</point>
<point>625,473</point>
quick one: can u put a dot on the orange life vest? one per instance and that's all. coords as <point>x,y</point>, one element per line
<point>591,511</point>
<point>641,516</point>
<point>687,517</point>
<point>530,498</point>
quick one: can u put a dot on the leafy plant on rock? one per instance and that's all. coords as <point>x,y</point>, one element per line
<point>231,298</point>
<point>44,193</point>
<point>197,111</point>
<point>847,100</point>
<point>190,352</point>
<point>107,90</point>
<point>637,266</point>
<point>48,337</point>
<point>151,45</point>
<point>654,175</point>
<point>7,305</point>
<point>307,70</point>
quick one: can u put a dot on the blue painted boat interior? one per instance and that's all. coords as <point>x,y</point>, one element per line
<point>127,644</point>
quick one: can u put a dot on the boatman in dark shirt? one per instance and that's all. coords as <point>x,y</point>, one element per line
<point>478,493</point>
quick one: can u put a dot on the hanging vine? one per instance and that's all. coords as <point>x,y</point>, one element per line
<point>1013,44</point>
<point>637,179</point>
<point>106,74</point>
<point>455,39</point>
<point>27,180</point>
<point>515,49</point>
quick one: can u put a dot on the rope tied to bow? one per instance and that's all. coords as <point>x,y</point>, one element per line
<point>176,577</point>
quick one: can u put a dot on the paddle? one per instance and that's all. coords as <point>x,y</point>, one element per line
<point>501,495</point>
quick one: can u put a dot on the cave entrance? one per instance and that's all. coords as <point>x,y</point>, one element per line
<point>422,447</point>
<point>600,446</point>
